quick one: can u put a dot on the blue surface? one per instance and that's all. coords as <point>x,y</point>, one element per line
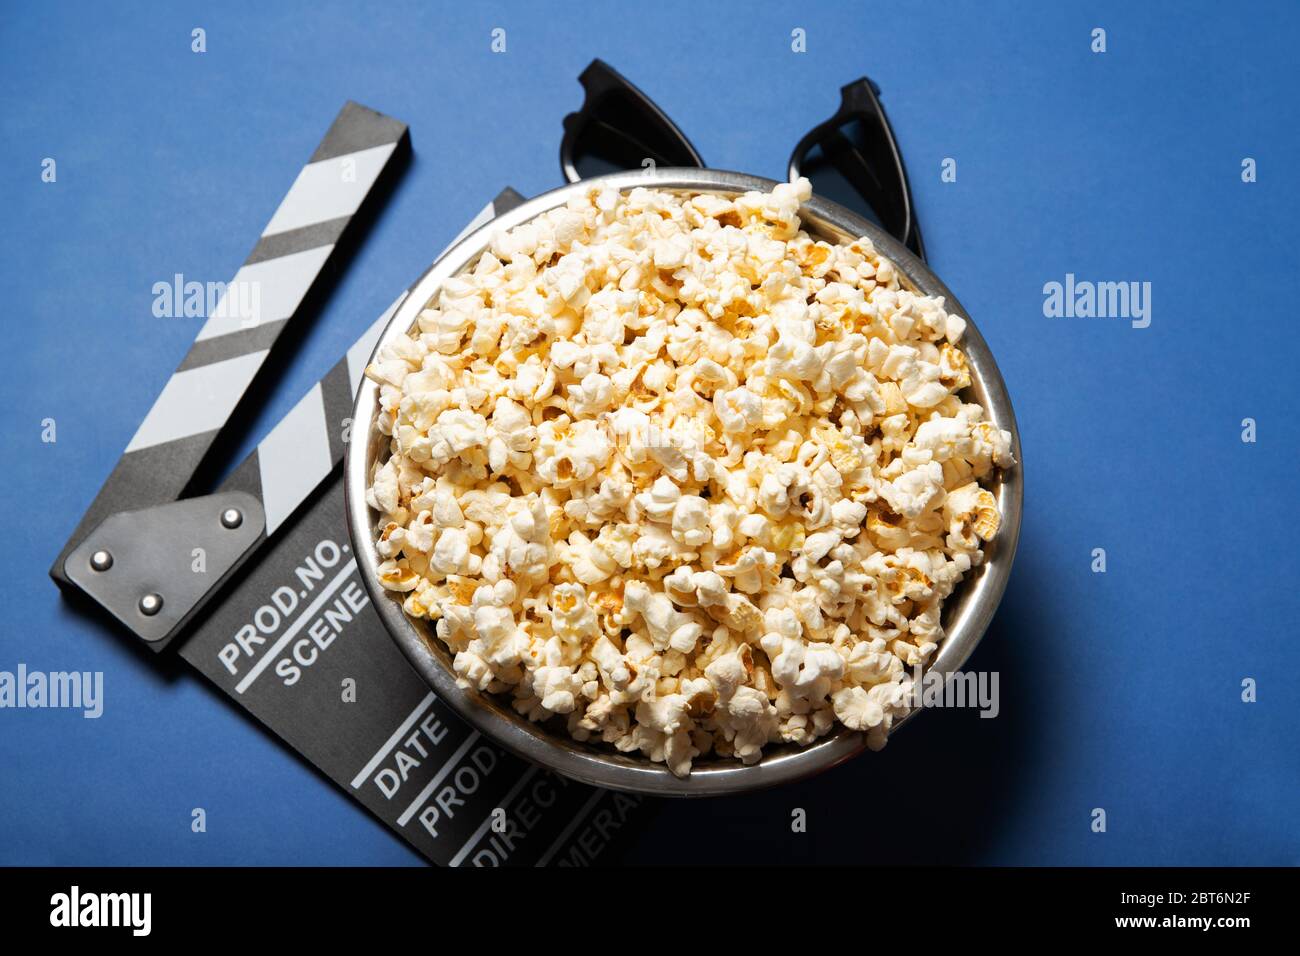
<point>1119,690</point>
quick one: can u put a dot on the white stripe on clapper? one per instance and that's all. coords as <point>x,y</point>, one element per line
<point>196,401</point>
<point>294,458</point>
<point>275,286</point>
<point>329,189</point>
<point>308,614</point>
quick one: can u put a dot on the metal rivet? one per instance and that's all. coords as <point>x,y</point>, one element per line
<point>101,560</point>
<point>151,604</point>
<point>232,518</point>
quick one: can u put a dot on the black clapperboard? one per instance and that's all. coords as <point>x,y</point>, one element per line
<point>296,620</point>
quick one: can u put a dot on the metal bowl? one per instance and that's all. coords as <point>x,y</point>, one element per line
<point>967,612</point>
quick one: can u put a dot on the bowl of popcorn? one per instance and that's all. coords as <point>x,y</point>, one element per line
<point>677,481</point>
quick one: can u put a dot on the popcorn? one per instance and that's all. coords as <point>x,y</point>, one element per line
<point>452,555</point>
<point>511,436</point>
<point>915,491</point>
<point>739,411</point>
<point>666,626</point>
<point>676,470</point>
<point>454,433</point>
<point>660,502</point>
<point>689,588</point>
<point>691,521</point>
<point>570,453</point>
<point>856,710</point>
<point>971,513</point>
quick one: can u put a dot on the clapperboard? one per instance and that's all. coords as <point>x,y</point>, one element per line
<point>278,617</point>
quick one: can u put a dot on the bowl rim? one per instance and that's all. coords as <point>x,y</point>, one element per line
<point>977,597</point>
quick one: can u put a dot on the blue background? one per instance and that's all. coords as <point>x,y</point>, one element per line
<point>1119,690</point>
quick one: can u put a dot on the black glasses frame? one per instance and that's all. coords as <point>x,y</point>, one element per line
<point>601,81</point>
<point>876,172</point>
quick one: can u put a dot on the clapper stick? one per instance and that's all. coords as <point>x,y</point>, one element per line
<point>296,643</point>
<point>230,348</point>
